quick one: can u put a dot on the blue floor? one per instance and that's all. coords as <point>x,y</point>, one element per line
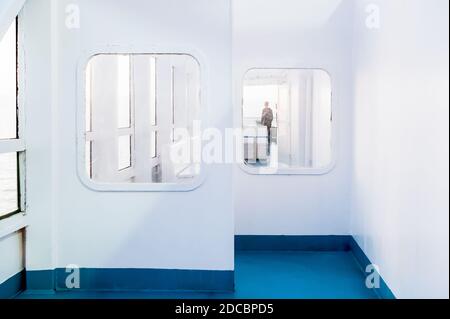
<point>266,275</point>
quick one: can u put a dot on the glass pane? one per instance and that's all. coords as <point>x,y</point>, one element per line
<point>123,89</point>
<point>8,84</point>
<point>153,100</point>
<point>154,144</point>
<point>88,98</point>
<point>9,199</point>
<point>117,79</point>
<point>172,98</point>
<point>88,159</point>
<point>288,113</point>
<point>124,155</point>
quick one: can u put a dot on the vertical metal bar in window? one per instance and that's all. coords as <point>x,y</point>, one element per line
<point>17,78</point>
<point>153,92</point>
<point>88,158</point>
<point>20,181</point>
<point>156,90</point>
<point>130,90</point>
<point>20,82</point>
<point>173,103</point>
<point>21,160</point>
<point>131,151</point>
<point>156,144</point>
<point>132,109</point>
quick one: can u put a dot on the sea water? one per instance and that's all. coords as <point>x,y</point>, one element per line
<point>8,183</point>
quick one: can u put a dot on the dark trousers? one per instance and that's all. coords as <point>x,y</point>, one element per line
<point>269,138</point>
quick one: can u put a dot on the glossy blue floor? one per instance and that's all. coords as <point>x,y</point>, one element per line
<point>268,274</point>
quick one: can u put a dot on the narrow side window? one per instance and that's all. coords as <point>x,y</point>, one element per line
<point>11,144</point>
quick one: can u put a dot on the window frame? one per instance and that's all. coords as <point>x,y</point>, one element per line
<point>17,145</point>
<point>128,131</point>
<point>154,129</point>
<point>84,60</point>
<point>268,171</point>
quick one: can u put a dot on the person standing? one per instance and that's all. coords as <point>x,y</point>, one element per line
<point>266,120</point>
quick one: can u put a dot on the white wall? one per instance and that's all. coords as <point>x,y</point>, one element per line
<point>295,34</point>
<point>40,159</point>
<point>186,230</point>
<point>11,255</point>
<point>400,211</point>
<point>399,204</point>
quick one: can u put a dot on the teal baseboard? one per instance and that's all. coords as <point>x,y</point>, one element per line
<point>13,286</point>
<point>295,243</point>
<point>92,279</point>
<point>40,280</point>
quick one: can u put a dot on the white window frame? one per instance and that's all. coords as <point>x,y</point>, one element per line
<point>155,161</point>
<point>92,135</point>
<point>11,221</point>
<point>186,186</point>
<point>127,172</point>
<point>292,170</point>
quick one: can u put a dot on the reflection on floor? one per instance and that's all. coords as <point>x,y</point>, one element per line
<point>267,275</point>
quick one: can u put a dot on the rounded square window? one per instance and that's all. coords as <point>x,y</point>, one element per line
<point>134,105</point>
<point>287,121</point>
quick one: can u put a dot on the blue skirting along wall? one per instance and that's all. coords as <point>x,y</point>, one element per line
<point>185,280</point>
<point>12,286</point>
<point>150,279</point>
<point>92,279</point>
<point>299,243</point>
<point>40,280</point>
